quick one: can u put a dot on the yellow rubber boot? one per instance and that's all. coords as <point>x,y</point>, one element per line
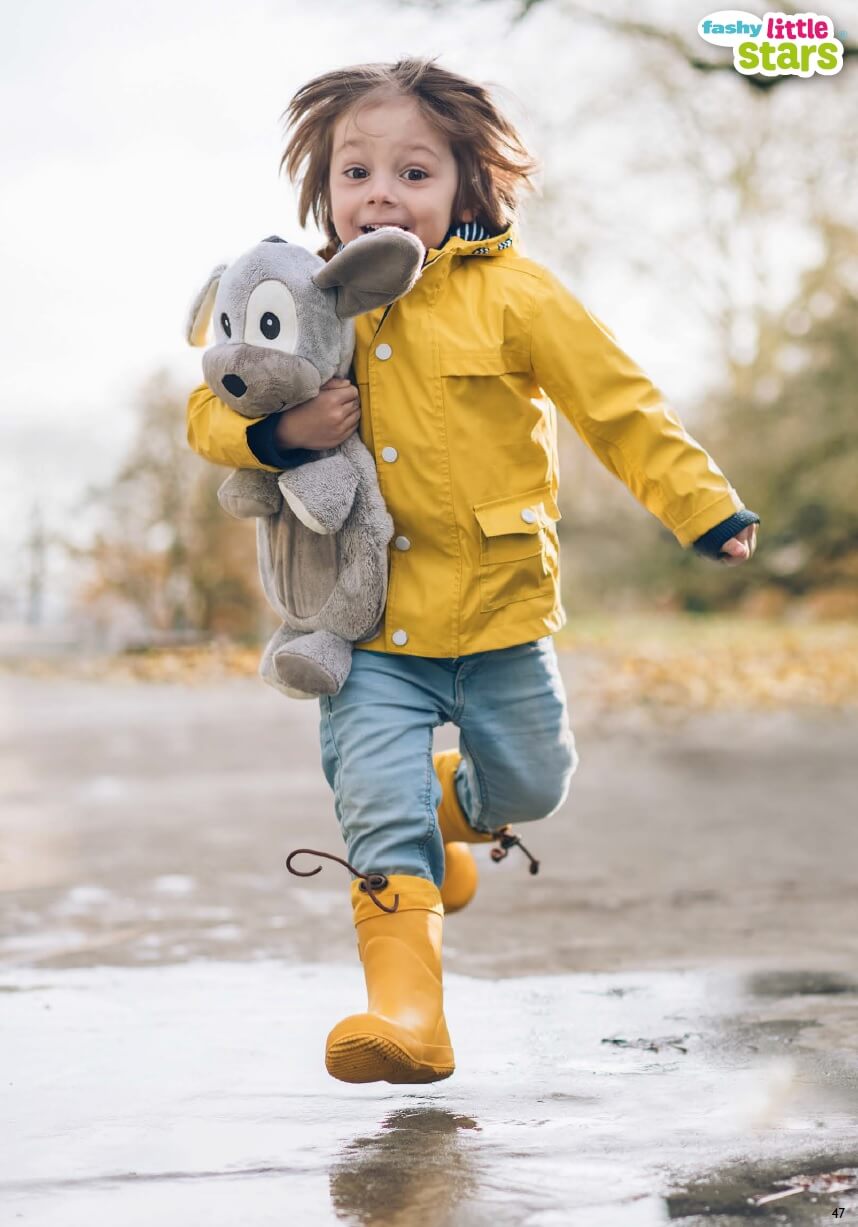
<point>403,1036</point>
<point>460,868</point>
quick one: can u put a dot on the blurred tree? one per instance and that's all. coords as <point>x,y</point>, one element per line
<point>165,559</point>
<point>699,56</point>
<point>36,546</point>
<point>788,437</point>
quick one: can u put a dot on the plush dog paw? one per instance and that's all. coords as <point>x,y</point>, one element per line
<point>303,514</point>
<point>301,676</point>
<point>321,493</point>
<point>246,494</point>
<point>306,666</point>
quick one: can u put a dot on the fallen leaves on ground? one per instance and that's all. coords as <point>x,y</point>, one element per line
<point>188,666</point>
<point>843,1180</point>
<point>706,663</point>
<point>676,1042</point>
<point>681,663</point>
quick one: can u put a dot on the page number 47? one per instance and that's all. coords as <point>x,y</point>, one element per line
<point>839,1212</point>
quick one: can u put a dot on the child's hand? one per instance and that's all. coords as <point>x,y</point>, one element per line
<point>325,421</point>
<point>739,548</point>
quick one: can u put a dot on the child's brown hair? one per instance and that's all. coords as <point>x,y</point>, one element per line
<point>493,163</point>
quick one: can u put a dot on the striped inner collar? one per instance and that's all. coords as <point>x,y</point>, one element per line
<point>469,231</point>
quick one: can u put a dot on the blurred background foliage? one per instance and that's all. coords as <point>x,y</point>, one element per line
<point>165,562</point>
<point>784,430</point>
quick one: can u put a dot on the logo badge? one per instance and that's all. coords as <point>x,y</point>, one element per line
<point>776,44</point>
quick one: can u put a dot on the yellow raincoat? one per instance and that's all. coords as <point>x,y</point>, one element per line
<point>451,381</point>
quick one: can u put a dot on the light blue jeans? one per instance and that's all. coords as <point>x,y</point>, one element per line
<point>518,751</point>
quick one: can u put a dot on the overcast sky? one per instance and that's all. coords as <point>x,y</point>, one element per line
<point>140,146</point>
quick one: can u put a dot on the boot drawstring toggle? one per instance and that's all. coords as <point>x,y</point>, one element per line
<point>369,885</point>
<point>507,840</point>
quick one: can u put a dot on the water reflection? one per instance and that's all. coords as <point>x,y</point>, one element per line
<point>417,1169</point>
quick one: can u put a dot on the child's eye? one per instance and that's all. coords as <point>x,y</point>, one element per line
<point>414,170</point>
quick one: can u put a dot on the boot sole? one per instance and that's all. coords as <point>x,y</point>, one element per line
<point>373,1058</point>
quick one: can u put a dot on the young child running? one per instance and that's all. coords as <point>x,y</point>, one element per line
<point>455,384</point>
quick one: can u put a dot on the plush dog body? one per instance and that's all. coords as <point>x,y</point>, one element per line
<point>283,326</point>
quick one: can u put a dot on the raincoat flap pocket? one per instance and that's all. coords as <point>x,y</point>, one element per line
<point>496,361</point>
<point>518,513</point>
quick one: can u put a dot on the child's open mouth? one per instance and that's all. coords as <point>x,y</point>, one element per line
<point>368,229</point>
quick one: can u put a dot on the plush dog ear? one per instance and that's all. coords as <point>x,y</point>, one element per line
<point>372,270</point>
<point>200,314</point>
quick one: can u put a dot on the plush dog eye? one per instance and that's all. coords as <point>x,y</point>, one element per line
<point>225,324</point>
<point>272,317</point>
<point>269,326</point>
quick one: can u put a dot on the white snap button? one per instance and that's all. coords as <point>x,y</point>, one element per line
<point>389,454</point>
<point>399,638</point>
<point>383,351</point>
<point>402,543</point>
<point>528,516</point>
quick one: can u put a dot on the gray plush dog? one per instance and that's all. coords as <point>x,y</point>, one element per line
<point>283,327</point>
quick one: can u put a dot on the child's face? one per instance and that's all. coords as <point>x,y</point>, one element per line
<point>389,166</point>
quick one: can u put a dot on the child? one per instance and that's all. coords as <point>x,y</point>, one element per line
<point>450,382</point>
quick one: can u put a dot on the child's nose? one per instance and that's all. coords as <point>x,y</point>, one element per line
<point>382,191</point>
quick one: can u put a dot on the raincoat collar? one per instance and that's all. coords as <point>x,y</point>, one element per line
<point>471,239</point>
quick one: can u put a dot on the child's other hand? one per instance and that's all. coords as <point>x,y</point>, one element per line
<point>739,548</point>
<point>325,421</point>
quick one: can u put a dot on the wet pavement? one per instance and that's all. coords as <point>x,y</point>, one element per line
<point>659,1027</point>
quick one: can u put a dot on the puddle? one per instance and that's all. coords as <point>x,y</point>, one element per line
<point>197,1092</point>
<point>799,983</point>
<point>166,986</point>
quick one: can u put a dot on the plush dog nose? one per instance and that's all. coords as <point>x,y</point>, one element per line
<point>234,384</point>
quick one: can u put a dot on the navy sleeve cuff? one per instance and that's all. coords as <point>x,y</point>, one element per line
<point>260,440</point>
<point>710,543</point>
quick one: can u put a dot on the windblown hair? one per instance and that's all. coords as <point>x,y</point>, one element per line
<point>493,163</point>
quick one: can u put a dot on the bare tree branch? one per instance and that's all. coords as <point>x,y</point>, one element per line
<point>668,38</point>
